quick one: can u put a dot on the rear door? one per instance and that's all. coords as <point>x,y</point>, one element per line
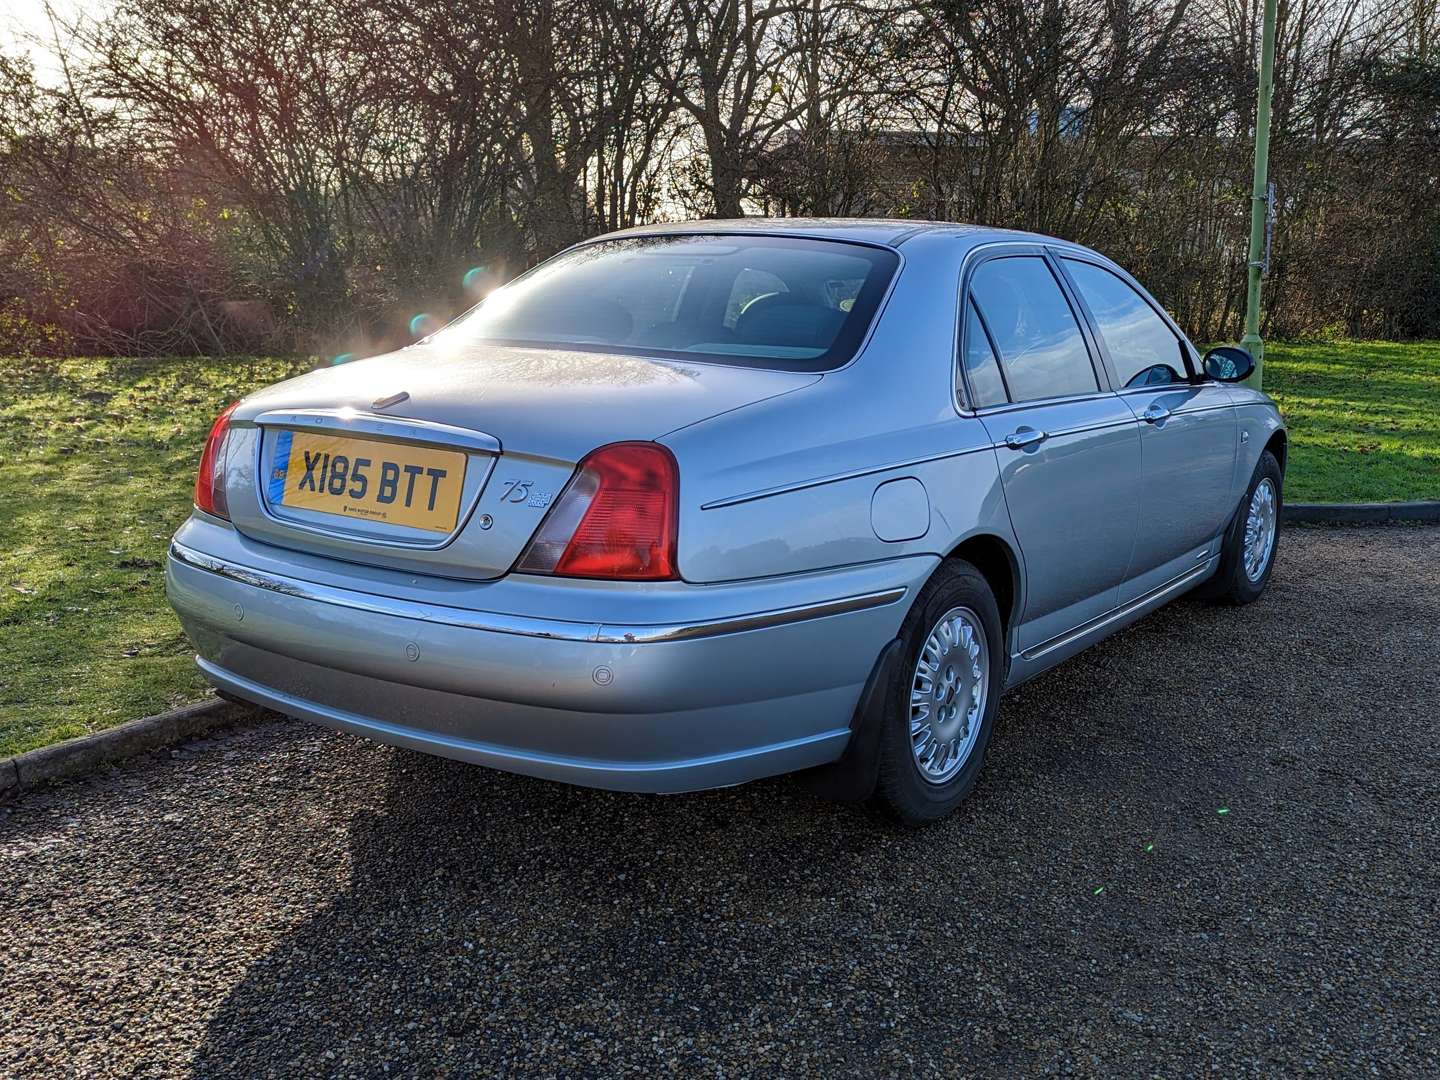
<point>1068,447</point>
<point>1187,427</point>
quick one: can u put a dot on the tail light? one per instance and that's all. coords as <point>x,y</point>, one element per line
<point>616,519</point>
<point>210,480</point>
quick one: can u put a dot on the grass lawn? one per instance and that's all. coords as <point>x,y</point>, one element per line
<point>97,467</point>
<point>1364,419</point>
<point>98,456</point>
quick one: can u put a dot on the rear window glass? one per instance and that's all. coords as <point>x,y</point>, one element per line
<point>781,302</point>
<point>749,286</point>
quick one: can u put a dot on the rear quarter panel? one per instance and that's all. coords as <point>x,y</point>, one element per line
<point>789,485</point>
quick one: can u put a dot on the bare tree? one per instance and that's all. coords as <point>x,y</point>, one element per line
<point>831,158</point>
<point>745,72</point>
<point>216,174</point>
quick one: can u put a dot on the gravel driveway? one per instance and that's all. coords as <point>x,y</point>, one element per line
<point>1207,846</point>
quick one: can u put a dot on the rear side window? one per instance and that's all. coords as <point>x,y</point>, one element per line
<point>758,301</point>
<point>981,368</point>
<point>1143,349</point>
<point>1041,347</point>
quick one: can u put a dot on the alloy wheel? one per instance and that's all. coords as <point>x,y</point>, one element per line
<point>948,692</point>
<point>1260,521</point>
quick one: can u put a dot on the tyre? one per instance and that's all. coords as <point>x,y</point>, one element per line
<point>1247,558</point>
<point>945,691</point>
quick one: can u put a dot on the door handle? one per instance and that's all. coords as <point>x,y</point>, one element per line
<point>1019,440</point>
<point>1154,414</point>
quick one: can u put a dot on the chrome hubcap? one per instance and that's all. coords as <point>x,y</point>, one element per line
<point>947,695</point>
<point>1260,529</point>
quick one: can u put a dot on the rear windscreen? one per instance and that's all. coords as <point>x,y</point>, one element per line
<point>778,302</point>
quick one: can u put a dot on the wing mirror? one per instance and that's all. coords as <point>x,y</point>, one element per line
<point>1226,363</point>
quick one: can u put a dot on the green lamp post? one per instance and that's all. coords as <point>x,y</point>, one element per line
<point>1259,199</point>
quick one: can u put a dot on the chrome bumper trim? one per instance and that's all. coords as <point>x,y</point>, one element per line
<point>526,625</point>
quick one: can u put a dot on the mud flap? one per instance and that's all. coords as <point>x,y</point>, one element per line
<point>853,777</point>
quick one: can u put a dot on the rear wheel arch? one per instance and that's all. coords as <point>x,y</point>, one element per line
<point>855,775</point>
<point>997,562</point>
<point>950,666</point>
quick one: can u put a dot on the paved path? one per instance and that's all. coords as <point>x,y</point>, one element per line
<point>284,901</point>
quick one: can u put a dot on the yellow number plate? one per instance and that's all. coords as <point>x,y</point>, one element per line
<point>368,479</point>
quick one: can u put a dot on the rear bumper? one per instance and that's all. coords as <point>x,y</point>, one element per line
<point>687,687</point>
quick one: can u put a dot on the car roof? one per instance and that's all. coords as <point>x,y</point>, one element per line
<point>888,231</point>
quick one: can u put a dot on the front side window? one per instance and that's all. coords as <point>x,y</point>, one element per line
<point>1041,347</point>
<point>1143,349</point>
<point>760,301</point>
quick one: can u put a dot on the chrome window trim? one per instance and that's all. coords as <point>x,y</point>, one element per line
<point>1161,388</point>
<point>528,625</point>
<point>1157,388</point>
<point>1016,406</point>
<point>1001,249</point>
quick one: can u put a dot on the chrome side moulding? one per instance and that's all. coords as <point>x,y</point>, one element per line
<point>528,625</point>
<point>758,621</point>
<point>835,478</point>
<point>1115,614</point>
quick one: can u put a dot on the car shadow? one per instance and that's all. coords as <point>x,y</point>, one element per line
<point>494,923</point>
<point>483,910</point>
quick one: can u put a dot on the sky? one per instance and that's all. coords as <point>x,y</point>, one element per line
<point>21,20</point>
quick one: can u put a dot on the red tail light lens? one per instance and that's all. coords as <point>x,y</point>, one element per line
<point>617,519</point>
<point>210,480</point>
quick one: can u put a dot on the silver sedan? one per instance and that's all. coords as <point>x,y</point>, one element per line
<point>689,505</point>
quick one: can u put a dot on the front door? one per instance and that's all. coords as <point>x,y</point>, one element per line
<point>1069,449</point>
<point>1187,429</point>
